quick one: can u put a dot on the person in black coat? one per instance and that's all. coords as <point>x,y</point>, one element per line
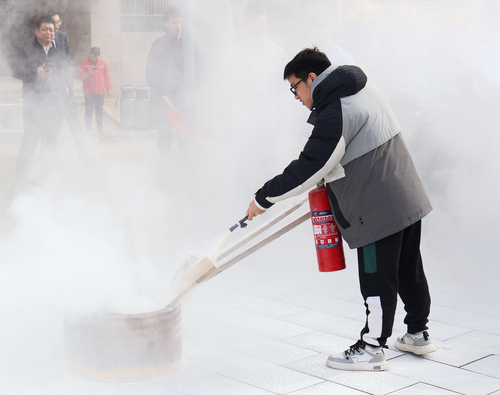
<point>44,71</point>
<point>61,42</point>
<point>165,64</point>
<point>165,76</point>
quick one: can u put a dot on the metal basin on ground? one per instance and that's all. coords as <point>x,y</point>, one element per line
<point>124,347</point>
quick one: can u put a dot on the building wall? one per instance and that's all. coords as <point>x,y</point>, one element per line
<point>76,23</point>
<point>125,53</point>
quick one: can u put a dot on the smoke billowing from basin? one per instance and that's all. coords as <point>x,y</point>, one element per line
<point>110,238</point>
<point>68,248</point>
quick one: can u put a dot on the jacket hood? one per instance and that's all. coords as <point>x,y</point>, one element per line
<point>336,82</point>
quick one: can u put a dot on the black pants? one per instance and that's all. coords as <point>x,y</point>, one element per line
<point>42,122</point>
<point>389,267</point>
<point>93,100</point>
<point>176,153</point>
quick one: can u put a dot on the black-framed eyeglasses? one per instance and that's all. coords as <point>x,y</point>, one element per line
<point>292,89</point>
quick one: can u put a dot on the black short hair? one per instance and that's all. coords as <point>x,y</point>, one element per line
<point>95,51</point>
<point>48,12</point>
<point>255,7</point>
<point>309,60</point>
<point>43,19</point>
<point>172,12</point>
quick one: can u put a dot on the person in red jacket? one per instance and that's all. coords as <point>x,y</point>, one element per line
<point>94,73</point>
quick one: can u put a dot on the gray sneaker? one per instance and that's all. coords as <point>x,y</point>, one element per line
<point>420,343</point>
<point>360,356</point>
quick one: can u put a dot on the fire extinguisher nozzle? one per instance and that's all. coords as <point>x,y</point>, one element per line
<point>241,223</point>
<point>233,227</point>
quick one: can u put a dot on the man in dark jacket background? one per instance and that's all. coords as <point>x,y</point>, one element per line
<point>165,75</point>
<point>46,83</point>
<point>376,195</point>
<point>61,42</point>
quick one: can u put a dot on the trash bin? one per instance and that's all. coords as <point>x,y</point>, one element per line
<point>128,106</point>
<point>142,107</point>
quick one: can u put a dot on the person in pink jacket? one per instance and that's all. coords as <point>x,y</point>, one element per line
<point>94,73</point>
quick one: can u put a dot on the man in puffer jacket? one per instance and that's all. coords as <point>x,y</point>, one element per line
<point>376,195</point>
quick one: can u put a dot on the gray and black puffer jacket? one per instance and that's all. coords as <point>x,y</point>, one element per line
<point>357,147</point>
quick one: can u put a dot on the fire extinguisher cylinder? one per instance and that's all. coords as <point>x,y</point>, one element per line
<point>327,237</point>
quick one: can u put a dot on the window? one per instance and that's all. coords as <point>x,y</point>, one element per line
<point>139,16</point>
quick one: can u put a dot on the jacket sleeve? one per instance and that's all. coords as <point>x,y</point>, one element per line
<point>107,80</point>
<point>320,156</point>
<point>62,43</point>
<point>70,78</point>
<point>67,51</point>
<point>62,70</point>
<point>23,67</point>
<point>82,72</point>
<point>153,66</point>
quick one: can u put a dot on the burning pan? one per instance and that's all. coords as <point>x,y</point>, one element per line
<point>124,347</point>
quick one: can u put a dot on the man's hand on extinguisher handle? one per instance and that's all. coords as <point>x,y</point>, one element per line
<point>253,210</point>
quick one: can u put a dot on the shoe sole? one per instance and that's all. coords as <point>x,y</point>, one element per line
<point>359,367</point>
<point>417,350</point>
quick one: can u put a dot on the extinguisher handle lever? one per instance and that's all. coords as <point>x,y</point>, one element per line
<point>242,222</point>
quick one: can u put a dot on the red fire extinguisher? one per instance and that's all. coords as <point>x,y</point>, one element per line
<point>327,236</point>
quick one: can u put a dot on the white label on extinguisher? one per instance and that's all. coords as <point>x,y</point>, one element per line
<point>324,228</point>
<point>319,217</point>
